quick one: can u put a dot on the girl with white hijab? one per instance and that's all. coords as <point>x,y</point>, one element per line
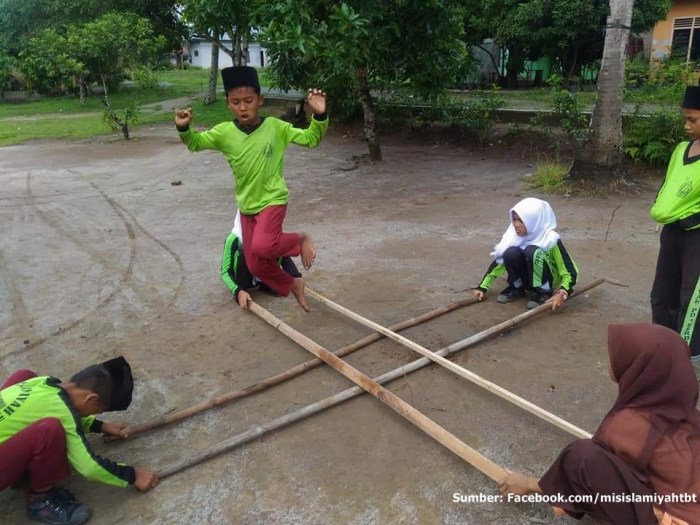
<point>534,256</point>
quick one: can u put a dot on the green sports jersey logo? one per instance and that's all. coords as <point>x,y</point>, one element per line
<point>9,409</point>
<point>268,150</point>
<point>685,189</point>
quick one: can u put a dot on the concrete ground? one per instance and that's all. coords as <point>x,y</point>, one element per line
<point>100,255</point>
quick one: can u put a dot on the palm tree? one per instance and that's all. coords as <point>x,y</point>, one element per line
<point>601,156</point>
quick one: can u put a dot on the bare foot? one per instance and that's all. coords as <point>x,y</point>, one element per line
<point>308,252</point>
<point>298,291</point>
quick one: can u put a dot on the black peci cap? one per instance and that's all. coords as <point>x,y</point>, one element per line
<point>691,99</point>
<point>122,383</point>
<point>240,76</point>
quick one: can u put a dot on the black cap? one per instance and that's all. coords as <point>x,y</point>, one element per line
<point>691,99</point>
<point>122,383</point>
<point>240,76</point>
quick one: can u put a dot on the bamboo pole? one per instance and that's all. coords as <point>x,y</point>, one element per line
<point>390,399</point>
<point>461,371</point>
<point>319,406</point>
<point>172,417</point>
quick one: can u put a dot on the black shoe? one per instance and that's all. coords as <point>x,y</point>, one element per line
<point>510,294</point>
<point>57,507</point>
<point>538,300</point>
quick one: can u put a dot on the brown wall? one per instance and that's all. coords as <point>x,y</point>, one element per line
<point>663,31</point>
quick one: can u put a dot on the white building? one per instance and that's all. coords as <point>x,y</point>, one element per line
<point>200,54</point>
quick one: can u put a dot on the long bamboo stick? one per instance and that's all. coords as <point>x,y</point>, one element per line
<point>179,415</point>
<point>390,399</point>
<point>459,370</point>
<point>319,406</point>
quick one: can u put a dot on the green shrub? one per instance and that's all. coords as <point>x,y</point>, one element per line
<point>652,138</point>
<point>570,112</point>
<point>661,82</point>
<point>470,116</point>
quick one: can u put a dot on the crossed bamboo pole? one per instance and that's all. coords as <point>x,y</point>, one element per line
<point>173,417</point>
<point>459,370</point>
<point>292,417</point>
<point>390,399</point>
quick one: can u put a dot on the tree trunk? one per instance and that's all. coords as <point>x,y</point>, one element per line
<point>501,80</point>
<point>516,60</point>
<point>81,86</point>
<point>240,49</point>
<point>370,125</point>
<point>213,75</point>
<point>601,155</point>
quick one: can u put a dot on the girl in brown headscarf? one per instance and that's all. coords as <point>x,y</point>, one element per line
<point>648,443</point>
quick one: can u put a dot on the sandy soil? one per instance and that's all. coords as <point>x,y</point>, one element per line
<point>100,255</point>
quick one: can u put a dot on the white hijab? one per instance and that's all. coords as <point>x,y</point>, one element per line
<point>538,217</point>
<point>237,228</point>
<point>238,231</point>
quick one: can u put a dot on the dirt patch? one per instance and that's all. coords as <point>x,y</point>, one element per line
<point>102,255</point>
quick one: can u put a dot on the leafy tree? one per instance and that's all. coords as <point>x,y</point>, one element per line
<point>112,45</point>
<point>105,51</point>
<point>120,119</point>
<point>21,20</point>
<point>164,16</point>
<point>569,31</point>
<point>352,49</point>
<point>47,63</point>
<point>211,20</point>
<point>7,65</point>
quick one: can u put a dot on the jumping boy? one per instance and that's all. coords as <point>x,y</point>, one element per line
<point>234,270</point>
<point>254,148</point>
<point>42,434</point>
<point>675,294</point>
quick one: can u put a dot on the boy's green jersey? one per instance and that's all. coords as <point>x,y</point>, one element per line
<point>256,158</point>
<point>41,397</point>
<point>678,200</point>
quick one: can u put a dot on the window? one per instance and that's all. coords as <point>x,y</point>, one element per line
<point>685,44</point>
<point>196,53</point>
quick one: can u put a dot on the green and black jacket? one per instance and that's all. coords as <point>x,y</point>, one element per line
<point>563,268</point>
<point>38,398</point>
<point>234,270</point>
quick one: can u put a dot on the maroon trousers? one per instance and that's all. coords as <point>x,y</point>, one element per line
<point>38,451</point>
<point>585,468</point>
<point>264,243</point>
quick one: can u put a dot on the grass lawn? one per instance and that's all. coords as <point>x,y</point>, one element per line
<point>17,131</point>
<point>25,122</point>
<point>14,132</point>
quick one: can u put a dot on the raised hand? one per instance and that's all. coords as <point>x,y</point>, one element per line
<point>183,117</point>
<point>317,101</point>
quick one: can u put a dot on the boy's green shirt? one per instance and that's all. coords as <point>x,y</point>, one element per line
<point>679,196</point>
<point>41,397</point>
<point>256,159</point>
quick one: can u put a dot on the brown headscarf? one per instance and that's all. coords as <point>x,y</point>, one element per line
<point>654,425</point>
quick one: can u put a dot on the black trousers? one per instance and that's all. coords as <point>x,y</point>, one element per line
<point>531,266</point>
<point>675,295</point>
